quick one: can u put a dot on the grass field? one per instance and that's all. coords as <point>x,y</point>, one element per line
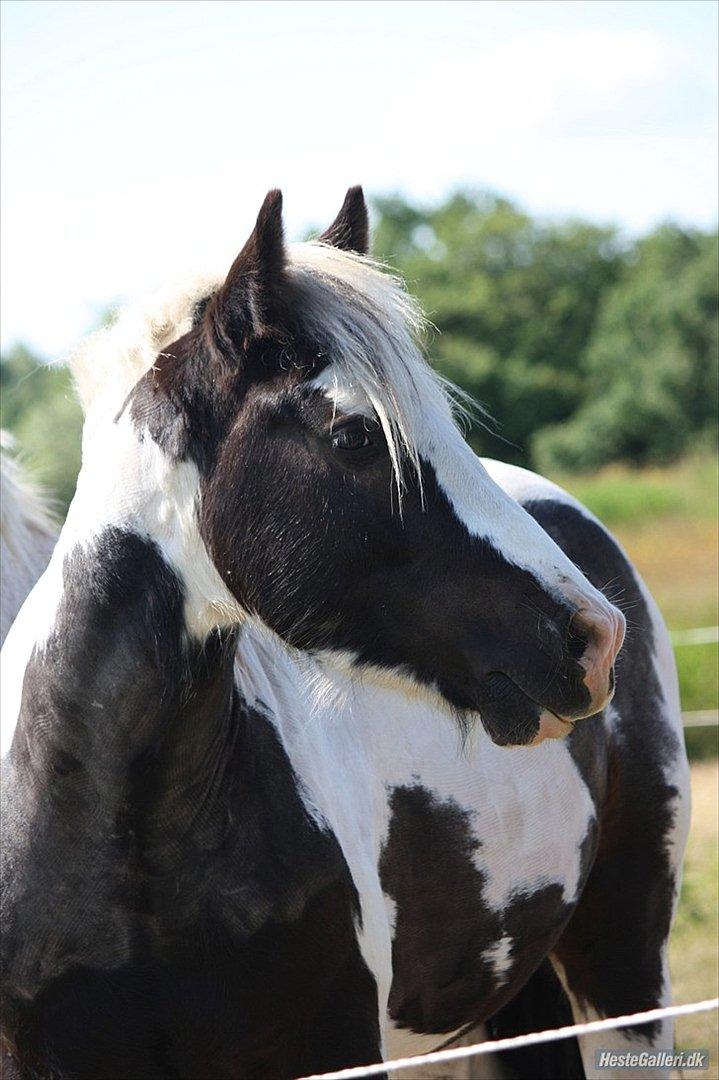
<point>695,940</point>
<point>666,519</point>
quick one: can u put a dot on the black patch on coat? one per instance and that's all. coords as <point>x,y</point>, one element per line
<point>540,1005</point>
<point>612,948</point>
<point>443,926</point>
<point>171,909</point>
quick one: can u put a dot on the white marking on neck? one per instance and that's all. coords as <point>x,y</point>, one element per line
<point>126,482</point>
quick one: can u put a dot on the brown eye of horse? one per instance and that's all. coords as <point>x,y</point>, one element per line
<point>354,437</point>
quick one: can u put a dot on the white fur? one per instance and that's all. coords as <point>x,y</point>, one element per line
<point>407,1043</point>
<point>499,955</point>
<point>354,309</point>
<point>126,482</point>
<point>350,741</point>
<point>27,538</point>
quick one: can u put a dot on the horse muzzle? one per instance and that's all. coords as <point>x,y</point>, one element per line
<point>603,629</point>
<point>523,709</point>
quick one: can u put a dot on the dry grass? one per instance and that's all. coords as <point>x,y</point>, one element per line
<point>679,560</point>
<point>666,520</point>
<point>695,940</point>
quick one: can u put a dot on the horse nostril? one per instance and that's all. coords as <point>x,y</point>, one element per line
<point>576,644</point>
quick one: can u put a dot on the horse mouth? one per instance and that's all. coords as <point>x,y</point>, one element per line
<point>513,718</point>
<point>566,720</point>
<point>552,726</point>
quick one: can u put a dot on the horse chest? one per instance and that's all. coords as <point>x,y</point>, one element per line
<point>483,855</point>
<point>238,980</point>
<point>207,1002</point>
<point>468,860</point>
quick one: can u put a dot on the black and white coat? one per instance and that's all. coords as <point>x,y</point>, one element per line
<point>253,826</point>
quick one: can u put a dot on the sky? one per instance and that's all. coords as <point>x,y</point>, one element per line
<point>139,137</point>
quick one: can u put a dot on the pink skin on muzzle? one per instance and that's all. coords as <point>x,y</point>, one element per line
<point>603,626</point>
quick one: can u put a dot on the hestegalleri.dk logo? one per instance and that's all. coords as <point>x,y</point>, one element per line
<point>651,1059</point>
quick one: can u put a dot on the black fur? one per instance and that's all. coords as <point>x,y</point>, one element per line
<point>350,229</point>
<point>540,1005</point>
<point>443,925</point>
<point>615,962</point>
<point>173,909</point>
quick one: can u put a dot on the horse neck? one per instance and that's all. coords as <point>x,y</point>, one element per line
<point>114,666</point>
<point>347,735</point>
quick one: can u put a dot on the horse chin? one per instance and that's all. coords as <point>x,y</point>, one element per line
<point>512,718</point>
<point>551,726</point>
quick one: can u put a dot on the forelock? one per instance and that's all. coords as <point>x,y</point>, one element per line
<point>107,364</point>
<point>357,313</point>
<point>372,332</point>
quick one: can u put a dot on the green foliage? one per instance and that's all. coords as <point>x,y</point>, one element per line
<point>651,374</point>
<point>38,405</point>
<point>702,743</point>
<point>514,300</point>
<point>698,667</point>
<point>625,496</point>
<point>586,349</point>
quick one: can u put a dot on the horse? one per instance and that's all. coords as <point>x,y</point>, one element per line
<point>316,747</point>
<point>27,536</point>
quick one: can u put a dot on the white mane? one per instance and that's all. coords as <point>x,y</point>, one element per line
<point>359,313</point>
<point>27,537</point>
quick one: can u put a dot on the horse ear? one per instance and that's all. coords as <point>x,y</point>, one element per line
<point>250,302</point>
<point>350,229</point>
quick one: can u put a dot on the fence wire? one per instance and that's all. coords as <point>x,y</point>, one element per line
<point>534,1038</point>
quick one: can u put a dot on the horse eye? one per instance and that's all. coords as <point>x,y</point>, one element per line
<point>64,764</point>
<point>355,437</point>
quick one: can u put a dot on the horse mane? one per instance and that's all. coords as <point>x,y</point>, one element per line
<point>359,314</point>
<point>28,533</point>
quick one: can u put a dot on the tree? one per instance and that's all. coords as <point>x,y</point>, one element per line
<point>651,372</point>
<point>515,302</point>
<point>586,348</point>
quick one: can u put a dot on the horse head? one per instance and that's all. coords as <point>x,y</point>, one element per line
<point>339,504</point>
